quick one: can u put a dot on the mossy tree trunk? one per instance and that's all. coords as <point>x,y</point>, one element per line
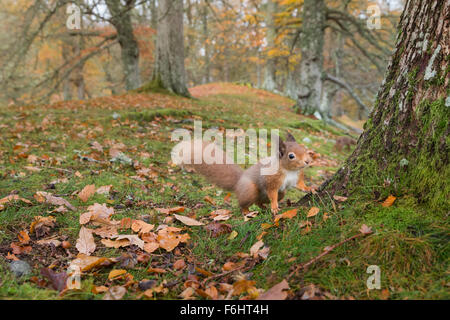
<point>405,146</point>
<point>311,65</point>
<point>271,33</point>
<point>121,20</point>
<point>169,72</point>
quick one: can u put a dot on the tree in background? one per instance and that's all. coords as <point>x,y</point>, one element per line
<point>169,71</point>
<point>405,145</point>
<point>121,20</point>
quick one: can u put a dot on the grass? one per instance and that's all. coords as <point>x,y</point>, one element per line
<point>409,243</point>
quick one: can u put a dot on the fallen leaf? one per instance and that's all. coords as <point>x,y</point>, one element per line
<point>87,192</point>
<point>217,229</point>
<point>96,212</point>
<point>255,248</point>
<point>171,210</point>
<point>114,274</point>
<point>232,235</point>
<point>365,229</point>
<point>85,243</point>
<point>23,236</point>
<point>210,200</point>
<point>134,240</point>
<point>179,264</point>
<point>141,226</point>
<point>221,215</point>
<point>42,196</point>
<point>115,293</point>
<point>104,189</point>
<point>340,198</point>
<point>389,201</point>
<point>188,221</point>
<point>313,212</point>
<point>86,263</point>
<point>99,289</point>
<point>151,247</point>
<point>42,225</point>
<point>156,270</point>
<point>116,244</point>
<point>277,292</point>
<point>12,198</point>
<point>58,280</point>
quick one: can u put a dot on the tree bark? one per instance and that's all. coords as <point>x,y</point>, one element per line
<point>311,65</point>
<point>121,20</point>
<point>169,71</point>
<point>269,83</point>
<point>207,67</point>
<point>405,146</point>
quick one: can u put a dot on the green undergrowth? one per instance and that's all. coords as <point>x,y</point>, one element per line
<point>409,242</point>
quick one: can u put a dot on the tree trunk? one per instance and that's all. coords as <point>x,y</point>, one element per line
<point>121,20</point>
<point>207,67</point>
<point>269,67</point>
<point>311,65</point>
<point>169,71</point>
<point>405,146</point>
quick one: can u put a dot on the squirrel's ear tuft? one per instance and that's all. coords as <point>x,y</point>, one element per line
<point>281,146</point>
<point>290,137</point>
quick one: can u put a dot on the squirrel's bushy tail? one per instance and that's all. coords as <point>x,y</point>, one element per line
<point>224,174</point>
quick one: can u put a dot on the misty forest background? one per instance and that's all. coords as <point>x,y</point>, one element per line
<point>258,43</point>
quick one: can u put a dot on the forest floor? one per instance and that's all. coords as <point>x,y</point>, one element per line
<point>60,162</point>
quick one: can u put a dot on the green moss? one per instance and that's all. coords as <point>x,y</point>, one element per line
<point>154,86</point>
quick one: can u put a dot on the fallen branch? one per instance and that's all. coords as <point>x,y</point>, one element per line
<point>363,232</point>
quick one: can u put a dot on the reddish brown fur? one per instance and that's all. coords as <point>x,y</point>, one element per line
<point>250,186</point>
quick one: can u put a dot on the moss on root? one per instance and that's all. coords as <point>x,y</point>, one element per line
<point>385,164</point>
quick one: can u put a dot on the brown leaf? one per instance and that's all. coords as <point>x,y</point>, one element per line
<point>313,212</point>
<point>86,263</point>
<point>218,229</point>
<point>188,221</point>
<point>116,244</point>
<point>42,196</point>
<point>277,292</point>
<point>23,236</point>
<point>179,264</point>
<point>389,201</point>
<point>256,247</point>
<point>87,192</point>
<point>114,274</point>
<point>42,225</point>
<point>115,293</point>
<point>210,200</point>
<point>134,240</point>
<point>58,280</point>
<point>221,215</point>
<point>12,198</point>
<point>365,229</point>
<point>96,212</point>
<point>151,247</point>
<point>104,189</point>
<point>340,198</point>
<point>85,243</point>
<point>141,226</point>
<point>171,210</point>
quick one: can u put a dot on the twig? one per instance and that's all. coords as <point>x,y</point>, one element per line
<point>327,250</point>
<point>221,274</point>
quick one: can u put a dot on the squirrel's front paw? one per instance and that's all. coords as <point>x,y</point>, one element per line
<point>275,210</point>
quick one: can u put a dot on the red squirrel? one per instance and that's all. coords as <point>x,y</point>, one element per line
<point>250,186</point>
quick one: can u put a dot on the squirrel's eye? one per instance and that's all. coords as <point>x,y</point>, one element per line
<point>291,156</point>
